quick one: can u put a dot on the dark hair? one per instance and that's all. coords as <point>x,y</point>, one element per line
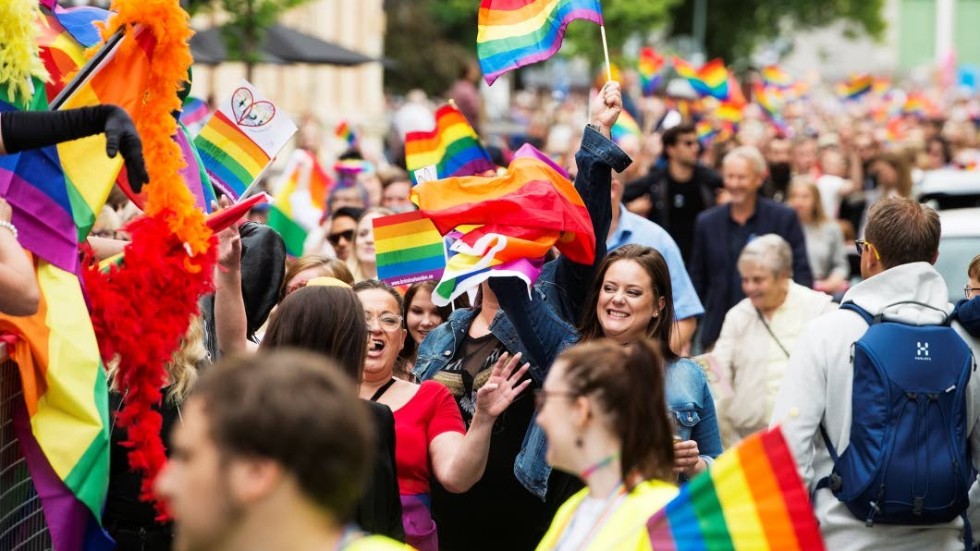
<point>947,149</point>
<point>368,284</point>
<point>408,351</point>
<point>673,134</point>
<point>348,212</point>
<point>328,320</point>
<point>903,231</point>
<point>299,410</point>
<point>629,383</point>
<point>660,327</point>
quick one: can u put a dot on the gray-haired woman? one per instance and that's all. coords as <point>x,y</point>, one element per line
<point>759,333</point>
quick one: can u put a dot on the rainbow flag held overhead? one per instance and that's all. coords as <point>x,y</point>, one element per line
<point>409,249</point>
<point>751,498</point>
<point>194,114</point>
<point>711,79</point>
<point>515,33</point>
<point>774,75</point>
<point>518,216</point>
<point>64,426</point>
<point>856,86</point>
<point>651,69</point>
<point>300,200</point>
<point>769,98</point>
<point>452,148</point>
<point>346,133</point>
<point>65,33</point>
<point>241,139</point>
<point>625,126</point>
<point>706,132</point>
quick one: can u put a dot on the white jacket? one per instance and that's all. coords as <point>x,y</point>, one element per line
<point>817,389</point>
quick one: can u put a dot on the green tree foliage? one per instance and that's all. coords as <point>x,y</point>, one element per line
<point>735,27</point>
<point>623,20</point>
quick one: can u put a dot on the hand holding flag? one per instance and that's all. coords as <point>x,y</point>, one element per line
<point>606,107</point>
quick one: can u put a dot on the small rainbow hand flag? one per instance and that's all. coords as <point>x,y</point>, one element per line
<point>452,147</point>
<point>194,114</point>
<point>409,249</point>
<point>711,79</point>
<point>773,75</point>
<point>299,201</point>
<point>241,138</point>
<point>856,86</point>
<point>751,498</point>
<point>625,126</point>
<point>651,66</point>
<point>346,133</point>
<point>770,98</point>
<point>515,33</point>
<point>706,132</point>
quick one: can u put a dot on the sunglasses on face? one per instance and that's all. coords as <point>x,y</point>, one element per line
<point>334,238</point>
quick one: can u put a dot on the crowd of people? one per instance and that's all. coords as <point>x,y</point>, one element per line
<point>341,412</point>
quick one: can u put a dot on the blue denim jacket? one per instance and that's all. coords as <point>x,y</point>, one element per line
<point>689,399</point>
<point>562,284</point>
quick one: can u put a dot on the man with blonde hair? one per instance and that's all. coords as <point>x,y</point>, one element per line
<point>721,232</point>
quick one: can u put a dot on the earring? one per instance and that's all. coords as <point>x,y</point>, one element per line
<point>578,442</point>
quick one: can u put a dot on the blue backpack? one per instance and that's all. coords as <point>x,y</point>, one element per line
<point>908,460</point>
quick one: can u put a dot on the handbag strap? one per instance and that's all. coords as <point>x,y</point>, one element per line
<point>771,334</point>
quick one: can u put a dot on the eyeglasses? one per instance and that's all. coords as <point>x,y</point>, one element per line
<point>967,291</point>
<point>541,396</point>
<point>861,245</point>
<point>334,238</point>
<point>388,322</point>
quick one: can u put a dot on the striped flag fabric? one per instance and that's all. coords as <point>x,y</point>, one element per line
<point>651,69</point>
<point>518,217</point>
<point>300,200</point>
<point>711,79</point>
<point>515,33</point>
<point>345,133</point>
<point>64,35</point>
<point>194,114</point>
<point>66,399</point>
<point>409,249</point>
<point>751,498</point>
<point>625,126</point>
<point>194,175</point>
<point>774,75</point>
<point>452,147</point>
<point>856,86</point>
<point>241,138</point>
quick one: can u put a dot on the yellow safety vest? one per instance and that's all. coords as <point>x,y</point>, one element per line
<point>625,529</point>
<point>377,543</point>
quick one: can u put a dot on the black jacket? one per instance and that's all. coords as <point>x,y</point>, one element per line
<point>380,509</point>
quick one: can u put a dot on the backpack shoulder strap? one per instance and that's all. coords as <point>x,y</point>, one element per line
<point>833,480</point>
<point>865,315</point>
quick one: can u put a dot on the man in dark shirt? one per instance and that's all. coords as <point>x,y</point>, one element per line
<point>721,232</point>
<point>678,190</point>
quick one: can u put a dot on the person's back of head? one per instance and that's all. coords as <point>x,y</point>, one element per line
<point>328,320</point>
<point>266,439</point>
<point>629,385</point>
<point>903,231</point>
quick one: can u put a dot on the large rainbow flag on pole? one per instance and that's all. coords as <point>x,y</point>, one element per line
<point>452,147</point>
<point>515,33</point>
<point>750,499</point>
<point>518,217</point>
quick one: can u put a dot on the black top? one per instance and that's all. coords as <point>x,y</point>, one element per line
<point>380,509</point>
<point>462,518</point>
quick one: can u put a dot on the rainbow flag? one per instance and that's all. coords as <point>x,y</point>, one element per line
<point>650,69</point>
<point>122,79</point>
<point>727,111</point>
<point>515,33</point>
<point>917,105</point>
<point>241,138</point>
<point>706,132</point>
<point>773,75</point>
<point>771,99</point>
<point>752,498</point>
<point>194,114</point>
<point>711,79</point>
<point>856,86</point>
<point>625,126</point>
<point>64,35</point>
<point>300,201</point>
<point>194,175</point>
<point>346,133</point>
<point>452,148</point>
<point>518,216</point>
<point>33,183</point>
<point>65,423</point>
<point>409,249</point>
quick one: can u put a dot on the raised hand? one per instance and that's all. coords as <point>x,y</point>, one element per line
<point>687,458</point>
<point>121,137</point>
<point>606,107</point>
<point>503,387</point>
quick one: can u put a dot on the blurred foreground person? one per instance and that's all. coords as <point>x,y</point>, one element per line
<point>273,453</point>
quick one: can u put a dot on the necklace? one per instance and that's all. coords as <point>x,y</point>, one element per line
<point>601,464</point>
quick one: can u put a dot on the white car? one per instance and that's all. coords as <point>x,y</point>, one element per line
<point>959,243</point>
<point>949,189</point>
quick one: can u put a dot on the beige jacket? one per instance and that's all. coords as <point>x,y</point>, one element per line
<point>752,363</point>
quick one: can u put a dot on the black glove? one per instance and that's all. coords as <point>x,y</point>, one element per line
<point>23,130</point>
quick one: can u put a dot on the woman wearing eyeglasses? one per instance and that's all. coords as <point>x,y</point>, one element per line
<point>432,440</point>
<point>603,409</point>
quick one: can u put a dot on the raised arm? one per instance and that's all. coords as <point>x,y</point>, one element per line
<point>541,330</point>
<point>458,460</point>
<point>230,323</point>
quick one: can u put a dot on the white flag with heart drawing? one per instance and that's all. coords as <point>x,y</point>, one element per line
<point>241,139</point>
